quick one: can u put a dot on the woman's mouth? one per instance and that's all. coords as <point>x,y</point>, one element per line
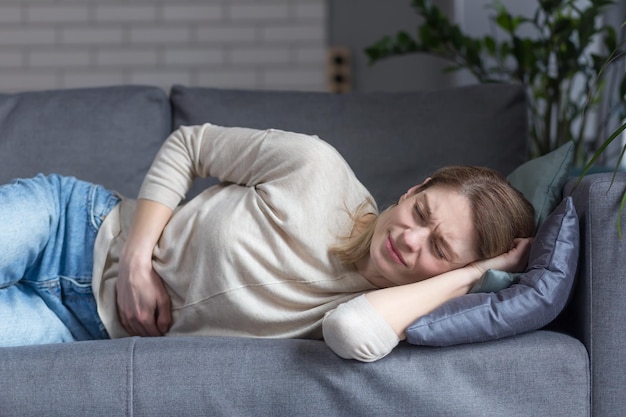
<point>393,252</point>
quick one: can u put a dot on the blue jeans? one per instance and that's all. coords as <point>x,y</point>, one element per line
<point>48,227</point>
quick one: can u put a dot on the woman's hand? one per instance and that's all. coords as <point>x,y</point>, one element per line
<point>143,303</point>
<point>515,260</point>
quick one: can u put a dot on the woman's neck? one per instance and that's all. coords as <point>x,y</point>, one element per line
<point>367,270</point>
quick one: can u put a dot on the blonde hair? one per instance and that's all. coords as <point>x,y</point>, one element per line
<point>499,211</point>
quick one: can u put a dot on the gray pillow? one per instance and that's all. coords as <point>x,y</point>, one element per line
<point>541,180</point>
<point>540,295</point>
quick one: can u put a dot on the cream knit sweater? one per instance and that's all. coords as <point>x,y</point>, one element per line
<point>249,257</point>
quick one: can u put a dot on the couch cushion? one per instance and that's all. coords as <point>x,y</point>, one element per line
<point>537,374</point>
<point>542,179</point>
<point>106,135</point>
<point>392,140</point>
<point>67,379</point>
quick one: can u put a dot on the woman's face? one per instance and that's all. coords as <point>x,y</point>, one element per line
<point>426,234</point>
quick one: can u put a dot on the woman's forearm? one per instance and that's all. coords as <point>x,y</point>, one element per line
<point>149,220</point>
<point>401,305</point>
<point>368,327</point>
<point>143,303</point>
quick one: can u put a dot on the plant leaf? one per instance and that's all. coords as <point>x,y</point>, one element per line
<point>610,38</point>
<point>549,6</point>
<point>505,21</point>
<point>490,44</point>
<point>452,68</point>
<point>600,150</point>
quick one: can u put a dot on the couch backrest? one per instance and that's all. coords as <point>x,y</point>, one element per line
<point>106,135</point>
<point>110,135</point>
<point>392,140</point>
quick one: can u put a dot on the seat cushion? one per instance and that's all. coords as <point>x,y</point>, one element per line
<point>537,374</point>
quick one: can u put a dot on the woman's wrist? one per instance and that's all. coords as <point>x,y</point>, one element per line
<point>136,255</point>
<point>148,223</point>
<point>477,269</point>
<point>473,272</point>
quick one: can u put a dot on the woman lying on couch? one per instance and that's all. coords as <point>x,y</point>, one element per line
<point>289,245</point>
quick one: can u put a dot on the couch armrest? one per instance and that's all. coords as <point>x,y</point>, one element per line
<point>597,312</point>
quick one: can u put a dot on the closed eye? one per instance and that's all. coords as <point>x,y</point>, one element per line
<point>438,252</point>
<point>440,246</point>
<point>420,213</point>
<point>423,216</point>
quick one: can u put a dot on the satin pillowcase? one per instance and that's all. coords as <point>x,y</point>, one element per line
<point>495,308</point>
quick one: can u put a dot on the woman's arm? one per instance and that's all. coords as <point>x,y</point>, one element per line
<point>143,303</point>
<point>354,331</point>
<point>237,155</point>
<point>368,327</point>
<point>400,306</point>
<point>247,157</point>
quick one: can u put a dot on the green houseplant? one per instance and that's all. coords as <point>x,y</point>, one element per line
<point>562,79</point>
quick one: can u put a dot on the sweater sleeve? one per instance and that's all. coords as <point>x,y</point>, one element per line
<point>355,330</point>
<point>237,155</point>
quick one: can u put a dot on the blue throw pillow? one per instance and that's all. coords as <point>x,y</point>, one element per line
<point>542,179</point>
<point>539,296</point>
<point>495,280</point>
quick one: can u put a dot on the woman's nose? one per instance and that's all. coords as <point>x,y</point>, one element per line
<point>414,238</point>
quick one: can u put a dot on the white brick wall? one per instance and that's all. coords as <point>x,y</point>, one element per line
<point>269,44</point>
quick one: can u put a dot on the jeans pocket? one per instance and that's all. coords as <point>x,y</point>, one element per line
<point>78,298</point>
<point>101,202</point>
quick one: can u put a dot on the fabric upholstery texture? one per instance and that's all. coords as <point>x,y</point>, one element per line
<point>494,280</point>
<point>104,135</point>
<point>541,294</point>
<point>392,141</point>
<point>540,373</point>
<point>597,312</point>
<point>542,179</point>
<point>187,377</point>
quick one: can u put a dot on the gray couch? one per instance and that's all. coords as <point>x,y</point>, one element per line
<point>393,140</point>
